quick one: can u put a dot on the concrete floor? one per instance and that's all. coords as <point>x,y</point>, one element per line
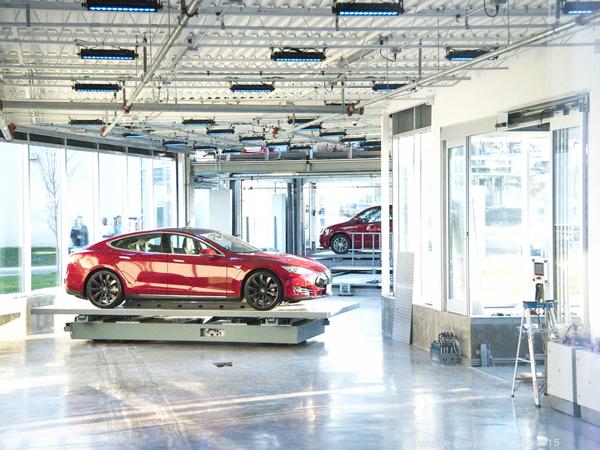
<point>348,389</point>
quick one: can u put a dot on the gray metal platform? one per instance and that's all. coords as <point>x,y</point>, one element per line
<point>287,324</point>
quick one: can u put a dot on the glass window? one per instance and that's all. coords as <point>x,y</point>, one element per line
<point>147,243</point>
<point>569,226</point>
<point>457,230</point>
<point>45,204</point>
<point>11,219</point>
<point>80,198</point>
<point>165,193</point>
<point>112,189</point>
<point>328,202</point>
<point>415,208</point>
<point>375,216</point>
<point>510,212</point>
<point>264,212</point>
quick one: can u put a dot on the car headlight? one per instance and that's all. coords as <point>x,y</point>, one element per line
<point>298,270</point>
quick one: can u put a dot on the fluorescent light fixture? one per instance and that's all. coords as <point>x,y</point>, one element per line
<point>244,88</point>
<point>580,7</point>
<point>297,55</point>
<point>332,133</point>
<point>300,120</point>
<point>96,87</point>
<point>205,148</point>
<point>300,147</point>
<point>198,122</point>
<point>353,139</point>
<point>87,122</point>
<point>368,145</point>
<point>215,131</point>
<point>174,143</point>
<point>387,87</point>
<point>368,9</point>
<point>278,144</point>
<point>256,138</point>
<point>134,135</point>
<point>123,5</point>
<point>467,54</point>
<point>108,53</point>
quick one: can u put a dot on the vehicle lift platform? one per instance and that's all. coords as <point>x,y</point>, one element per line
<point>200,322</point>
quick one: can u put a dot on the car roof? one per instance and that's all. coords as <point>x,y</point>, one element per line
<point>188,230</point>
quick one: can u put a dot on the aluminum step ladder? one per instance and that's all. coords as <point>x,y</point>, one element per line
<point>531,309</point>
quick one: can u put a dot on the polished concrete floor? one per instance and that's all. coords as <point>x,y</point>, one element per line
<point>347,389</point>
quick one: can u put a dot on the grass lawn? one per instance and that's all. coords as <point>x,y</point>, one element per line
<point>12,283</point>
<point>40,256</point>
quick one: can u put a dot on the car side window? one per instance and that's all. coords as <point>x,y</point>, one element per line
<point>187,245</point>
<point>375,216</point>
<point>147,243</point>
<point>364,217</point>
<point>370,216</point>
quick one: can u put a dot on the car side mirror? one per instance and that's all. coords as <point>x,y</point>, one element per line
<point>208,251</point>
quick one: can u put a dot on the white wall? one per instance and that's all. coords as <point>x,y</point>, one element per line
<point>534,75</point>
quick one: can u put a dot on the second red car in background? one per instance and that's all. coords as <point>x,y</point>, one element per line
<point>361,232</point>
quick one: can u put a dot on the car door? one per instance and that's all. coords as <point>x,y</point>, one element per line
<point>196,269</point>
<point>142,261</point>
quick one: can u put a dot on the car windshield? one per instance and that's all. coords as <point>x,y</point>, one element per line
<point>230,243</point>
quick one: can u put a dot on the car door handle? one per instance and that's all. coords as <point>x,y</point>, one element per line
<point>125,257</point>
<point>178,260</point>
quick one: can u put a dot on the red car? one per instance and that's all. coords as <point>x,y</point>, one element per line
<point>359,233</point>
<point>191,264</point>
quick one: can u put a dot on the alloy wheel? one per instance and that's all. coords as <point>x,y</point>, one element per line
<point>104,289</point>
<point>262,291</point>
<point>340,244</point>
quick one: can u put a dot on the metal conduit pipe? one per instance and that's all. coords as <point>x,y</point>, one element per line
<point>578,21</point>
<point>42,105</point>
<point>184,19</point>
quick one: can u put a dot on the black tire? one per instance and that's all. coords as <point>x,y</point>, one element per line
<point>104,289</point>
<point>340,244</point>
<point>263,290</point>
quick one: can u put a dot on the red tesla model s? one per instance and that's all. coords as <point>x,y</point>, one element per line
<point>191,264</point>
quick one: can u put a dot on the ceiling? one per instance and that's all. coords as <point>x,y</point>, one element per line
<point>230,41</point>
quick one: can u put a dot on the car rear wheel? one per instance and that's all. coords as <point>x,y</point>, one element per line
<point>104,289</point>
<point>340,244</point>
<point>263,290</point>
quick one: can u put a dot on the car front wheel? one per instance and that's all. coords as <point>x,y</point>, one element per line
<point>263,291</point>
<point>104,289</point>
<point>340,244</point>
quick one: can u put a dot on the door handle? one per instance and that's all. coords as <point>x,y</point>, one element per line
<point>124,257</point>
<point>178,260</point>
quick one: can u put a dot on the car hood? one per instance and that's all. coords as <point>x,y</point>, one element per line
<point>290,260</point>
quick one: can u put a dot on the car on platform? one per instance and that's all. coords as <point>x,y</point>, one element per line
<point>361,232</point>
<point>191,264</point>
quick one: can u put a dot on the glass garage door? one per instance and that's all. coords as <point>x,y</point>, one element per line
<point>569,222</point>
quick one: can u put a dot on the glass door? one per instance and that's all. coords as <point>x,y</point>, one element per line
<point>457,194</point>
<point>569,234</point>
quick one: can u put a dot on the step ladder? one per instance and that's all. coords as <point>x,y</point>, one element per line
<point>531,309</point>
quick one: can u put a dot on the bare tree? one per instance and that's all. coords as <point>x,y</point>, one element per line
<point>49,170</point>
